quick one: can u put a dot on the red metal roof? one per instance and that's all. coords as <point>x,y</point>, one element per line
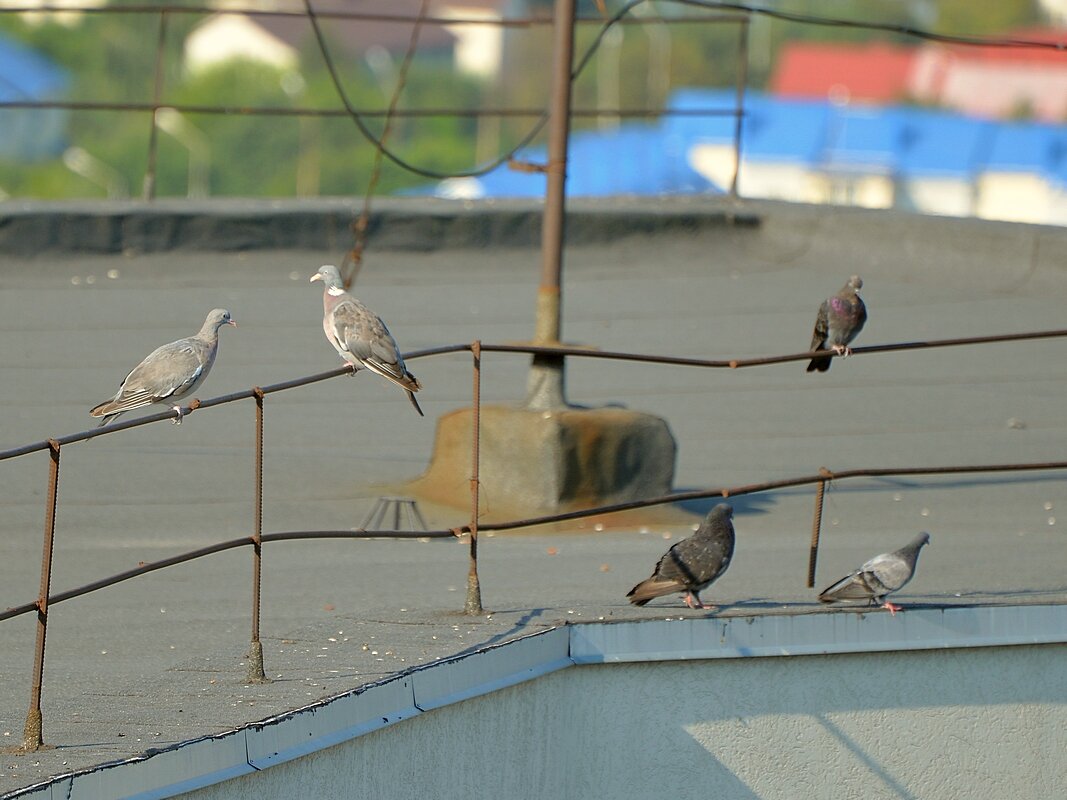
<point>874,71</point>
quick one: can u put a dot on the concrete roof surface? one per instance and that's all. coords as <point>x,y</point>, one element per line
<point>159,659</point>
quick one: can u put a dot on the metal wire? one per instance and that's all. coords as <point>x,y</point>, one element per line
<point>743,9</point>
<point>372,113</point>
<point>34,720</point>
<point>742,14</point>
<point>353,260</point>
<point>527,349</point>
<point>546,519</point>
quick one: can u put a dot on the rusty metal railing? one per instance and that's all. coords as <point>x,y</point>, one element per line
<point>33,733</point>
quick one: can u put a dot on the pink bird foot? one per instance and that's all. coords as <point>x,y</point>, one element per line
<point>893,609</point>
<point>695,603</point>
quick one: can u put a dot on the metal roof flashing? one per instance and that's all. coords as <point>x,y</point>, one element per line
<point>208,760</point>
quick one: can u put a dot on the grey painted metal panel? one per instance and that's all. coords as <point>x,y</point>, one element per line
<point>167,773</point>
<point>50,791</point>
<point>325,724</point>
<point>162,774</point>
<point>491,669</point>
<point>287,737</point>
<point>809,634</point>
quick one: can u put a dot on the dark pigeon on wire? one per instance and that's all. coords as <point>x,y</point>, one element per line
<point>359,336</point>
<point>839,321</point>
<point>169,372</point>
<point>694,563</point>
<point>879,577</point>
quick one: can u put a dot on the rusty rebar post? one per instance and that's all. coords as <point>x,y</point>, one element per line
<point>149,185</point>
<point>545,385</point>
<point>816,528</point>
<point>473,605</point>
<point>739,102</point>
<point>256,673</point>
<point>33,738</point>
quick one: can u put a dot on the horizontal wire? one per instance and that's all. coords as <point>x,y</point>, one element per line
<point>363,16</point>
<point>528,349</point>
<point>357,116</point>
<point>700,494</point>
<point>742,12</point>
<point>414,113</point>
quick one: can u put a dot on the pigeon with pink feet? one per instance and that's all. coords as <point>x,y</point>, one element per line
<point>359,336</point>
<point>693,564</point>
<point>169,372</point>
<point>840,320</point>
<point>879,577</point>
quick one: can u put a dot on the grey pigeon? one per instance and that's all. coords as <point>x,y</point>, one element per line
<point>169,372</point>
<point>840,319</point>
<point>359,336</point>
<point>879,577</point>
<point>694,563</point>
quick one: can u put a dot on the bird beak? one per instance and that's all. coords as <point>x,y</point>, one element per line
<point>232,322</point>
<point>316,277</point>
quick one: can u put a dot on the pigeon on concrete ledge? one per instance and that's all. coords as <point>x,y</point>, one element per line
<point>693,564</point>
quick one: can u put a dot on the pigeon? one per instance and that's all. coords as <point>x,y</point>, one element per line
<point>879,577</point>
<point>694,563</point>
<point>840,319</point>
<point>360,337</point>
<point>169,372</point>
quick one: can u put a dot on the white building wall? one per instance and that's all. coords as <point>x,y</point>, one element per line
<point>985,722</point>
<point>947,196</point>
<point>1014,196</point>
<point>231,36</point>
<point>479,47</point>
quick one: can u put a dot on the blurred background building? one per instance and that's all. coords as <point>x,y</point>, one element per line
<point>831,114</point>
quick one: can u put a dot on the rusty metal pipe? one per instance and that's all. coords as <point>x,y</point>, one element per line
<point>816,528</point>
<point>256,673</point>
<point>545,385</point>
<point>549,350</point>
<point>33,737</point>
<point>473,605</point>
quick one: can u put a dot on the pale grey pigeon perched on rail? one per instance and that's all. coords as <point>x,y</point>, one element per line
<point>694,563</point>
<point>840,319</point>
<point>169,372</point>
<point>879,577</point>
<point>359,336</point>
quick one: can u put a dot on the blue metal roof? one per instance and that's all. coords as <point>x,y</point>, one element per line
<point>784,130</point>
<point>1030,147</point>
<point>900,141</point>
<point>630,159</point>
<point>941,143</point>
<point>27,75</point>
<point>860,138</point>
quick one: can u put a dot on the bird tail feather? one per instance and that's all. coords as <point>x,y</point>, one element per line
<point>651,588</point>
<point>415,402</point>
<point>820,364</point>
<point>850,588</point>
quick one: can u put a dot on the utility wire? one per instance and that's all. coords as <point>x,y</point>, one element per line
<point>616,18</point>
<point>353,260</point>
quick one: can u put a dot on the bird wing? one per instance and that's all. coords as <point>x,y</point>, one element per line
<point>695,562</point>
<point>822,327</point>
<point>889,572</point>
<point>361,332</point>
<point>168,371</point>
<point>852,587</point>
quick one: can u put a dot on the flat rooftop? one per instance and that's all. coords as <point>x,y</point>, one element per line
<point>160,659</point>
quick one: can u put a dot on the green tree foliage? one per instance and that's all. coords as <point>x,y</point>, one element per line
<point>113,58</point>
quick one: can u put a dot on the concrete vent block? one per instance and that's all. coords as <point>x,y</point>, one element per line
<point>534,462</point>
